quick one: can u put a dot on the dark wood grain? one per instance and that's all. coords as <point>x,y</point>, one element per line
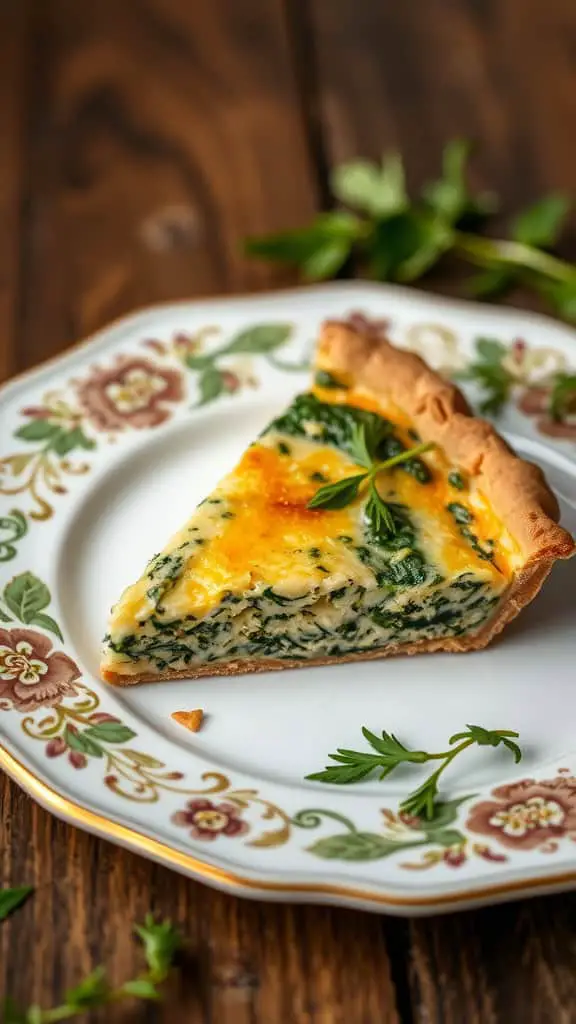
<point>157,136</point>
<point>141,141</point>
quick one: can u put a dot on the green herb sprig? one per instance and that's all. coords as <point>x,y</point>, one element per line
<point>363,448</point>
<point>354,765</point>
<point>161,942</point>
<point>397,238</point>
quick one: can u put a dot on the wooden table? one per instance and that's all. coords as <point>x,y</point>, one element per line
<point>142,140</point>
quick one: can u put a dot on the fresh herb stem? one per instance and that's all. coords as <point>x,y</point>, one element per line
<point>345,491</point>
<point>396,237</point>
<point>488,251</point>
<point>354,766</point>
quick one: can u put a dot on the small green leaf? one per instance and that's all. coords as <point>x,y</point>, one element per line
<point>66,441</point>
<point>446,836</point>
<point>445,812</point>
<point>436,240</point>
<point>109,732</point>
<point>260,339</point>
<point>141,988</point>
<point>491,350</point>
<point>81,742</point>
<point>356,846</point>
<point>378,514</point>
<point>92,991</point>
<point>210,385</point>
<point>199,362</point>
<point>301,245</point>
<point>26,595</point>
<point>391,747</point>
<point>37,430</point>
<point>344,774</point>
<point>492,283</point>
<point>46,622</point>
<point>562,296</point>
<point>541,224</point>
<point>323,379</point>
<point>11,899</point>
<point>337,495</point>
<point>327,260</point>
<point>161,943</point>
<point>563,397</point>
<point>380,191</point>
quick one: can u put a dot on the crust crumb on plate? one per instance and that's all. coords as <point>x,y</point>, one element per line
<point>191,720</point>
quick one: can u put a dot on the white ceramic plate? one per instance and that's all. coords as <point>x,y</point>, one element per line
<point>104,452</point>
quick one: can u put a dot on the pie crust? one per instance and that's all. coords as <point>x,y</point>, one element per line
<point>516,490</point>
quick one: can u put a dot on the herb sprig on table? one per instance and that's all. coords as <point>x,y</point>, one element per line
<point>161,942</point>
<point>354,765</point>
<point>397,238</point>
<point>364,448</point>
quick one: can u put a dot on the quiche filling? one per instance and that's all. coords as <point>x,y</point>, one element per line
<point>258,574</point>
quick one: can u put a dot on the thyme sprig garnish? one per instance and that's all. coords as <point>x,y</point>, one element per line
<point>397,237</point>
<point>161,942</point>
<point>354,765</point>
<point>363,448</point>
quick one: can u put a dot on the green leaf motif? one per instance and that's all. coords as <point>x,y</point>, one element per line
<point>260,339</point>
<point>37,430</point>
<point>82,743</point>
<point>11,899</point>
<point>12,528</point>
<point>65,441</point>
<point>445,812</point>
<point>47,622</point>
<point>447,837</point>
<point>357,846</point>
<point>25,596</point>
<point>210,385</point>
<point>109,732</point>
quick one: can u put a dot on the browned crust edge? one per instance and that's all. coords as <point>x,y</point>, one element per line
<point>517,490</point>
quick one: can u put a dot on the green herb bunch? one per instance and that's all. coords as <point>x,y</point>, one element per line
<point>363,448</point>
<point>396,238</point>
<point>161,942</point>
<point>356,765</point>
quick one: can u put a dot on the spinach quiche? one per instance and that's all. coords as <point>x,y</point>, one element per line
<point>374,516</point>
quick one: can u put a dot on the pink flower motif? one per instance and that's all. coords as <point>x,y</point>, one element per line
<point>77,759</point>
<point>231,381</point>
<point>55,747</point>
<point>207,820</point>
<point>535,401</point>
<point>528,813</point>
<point>133,393</point>
<point>30,676</point>
<point>454,856</point>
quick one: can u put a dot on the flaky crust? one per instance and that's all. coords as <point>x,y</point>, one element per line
<point>517,490</point>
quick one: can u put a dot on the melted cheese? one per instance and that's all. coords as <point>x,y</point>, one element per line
<point>256,532</point>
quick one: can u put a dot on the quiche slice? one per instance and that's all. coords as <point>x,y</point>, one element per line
<point>290,562</point>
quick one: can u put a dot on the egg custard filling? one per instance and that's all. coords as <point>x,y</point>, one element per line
<point>269,574</point>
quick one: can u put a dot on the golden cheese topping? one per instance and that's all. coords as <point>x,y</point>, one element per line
<point>256,530</point>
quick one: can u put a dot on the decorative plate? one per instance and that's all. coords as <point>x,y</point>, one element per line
<point>103,453</point>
